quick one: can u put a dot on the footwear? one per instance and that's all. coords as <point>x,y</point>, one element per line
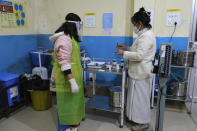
<point>73,129</point>
<point>140,127</point>
<point>130,124</point>
<point>67,129</point>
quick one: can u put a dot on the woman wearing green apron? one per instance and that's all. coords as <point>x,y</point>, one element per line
<point>67,72</point>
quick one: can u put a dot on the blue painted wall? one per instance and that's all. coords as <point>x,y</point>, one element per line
<point>15,50</point>
<point>179,43</point>
<point>14,53</point>
<point>43,40</point>
<point>97,47</point>
<point>105,46</point>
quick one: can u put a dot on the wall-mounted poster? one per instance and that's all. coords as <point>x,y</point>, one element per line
<point>20,15</point>
<point>7,18</point>
<point>12,14</point>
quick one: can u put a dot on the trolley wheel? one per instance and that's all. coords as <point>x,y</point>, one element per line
<point>121,126</point>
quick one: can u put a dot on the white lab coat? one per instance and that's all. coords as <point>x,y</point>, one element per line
<point>140,56</point>
<point>138,100</point>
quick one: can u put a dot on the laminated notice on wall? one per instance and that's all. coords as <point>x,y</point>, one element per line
<point>107,20</point>
<point>172,16</point>
<point>107,23</point>
<point>7,18</point>
<point>90,20</point>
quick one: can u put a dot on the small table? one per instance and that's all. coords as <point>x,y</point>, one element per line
<point>102,102</point>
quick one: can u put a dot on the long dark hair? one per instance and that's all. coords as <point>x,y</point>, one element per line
<point>142,16</point>
<point>69,28</point>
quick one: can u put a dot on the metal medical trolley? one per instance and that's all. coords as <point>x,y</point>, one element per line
<point>102,102</point>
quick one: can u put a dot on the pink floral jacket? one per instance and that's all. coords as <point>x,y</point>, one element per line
<point>62,50</point>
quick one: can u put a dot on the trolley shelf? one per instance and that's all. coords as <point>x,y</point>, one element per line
<point>101,103</point>
<point>103,71</point>
<point>100,83</point>
<point>177,66</point>
<point>175,98</point>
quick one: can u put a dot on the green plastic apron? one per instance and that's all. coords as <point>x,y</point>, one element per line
<point>71,107</point>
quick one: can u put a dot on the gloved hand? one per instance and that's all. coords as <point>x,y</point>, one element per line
<point>74,86</point>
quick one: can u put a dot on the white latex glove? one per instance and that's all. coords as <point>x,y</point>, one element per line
<point>74,86</point>
<point>86,59</point>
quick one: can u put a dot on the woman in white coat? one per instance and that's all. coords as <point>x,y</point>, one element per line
<point>140,56</point>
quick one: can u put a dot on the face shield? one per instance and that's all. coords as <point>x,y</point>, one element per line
<point>79,26</point>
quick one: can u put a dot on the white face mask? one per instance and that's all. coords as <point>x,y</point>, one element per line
<point>136,30</point>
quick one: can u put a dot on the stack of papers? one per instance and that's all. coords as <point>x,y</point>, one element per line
<point>95,64</point>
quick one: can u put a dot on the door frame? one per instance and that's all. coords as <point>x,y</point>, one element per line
<point>193,23</point>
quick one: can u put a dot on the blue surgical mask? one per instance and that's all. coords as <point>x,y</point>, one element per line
<point>136,30</point>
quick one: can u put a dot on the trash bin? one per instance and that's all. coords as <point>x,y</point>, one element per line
<point>41,99</point>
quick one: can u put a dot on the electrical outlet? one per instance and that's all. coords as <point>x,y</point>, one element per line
<point>172,17</point>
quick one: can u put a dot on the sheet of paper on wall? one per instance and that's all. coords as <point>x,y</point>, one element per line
<point>5,22</point>
<point>183,22</point>
<point>107,23</point>
<point>12,22</point>
<point>90,20</point>
<point>7,14</point>
<point>152,16</point>
<point>107,31</point>
<point>107,20</point>
<point>0,19</point>
<point>172,16</point>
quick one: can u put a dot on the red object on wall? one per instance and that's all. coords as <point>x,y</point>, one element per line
<point>9,9</point>
<point>6,8</point>
<point>1,8</point>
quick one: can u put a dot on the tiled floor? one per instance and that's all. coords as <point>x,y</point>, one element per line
<point>26,119</point>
